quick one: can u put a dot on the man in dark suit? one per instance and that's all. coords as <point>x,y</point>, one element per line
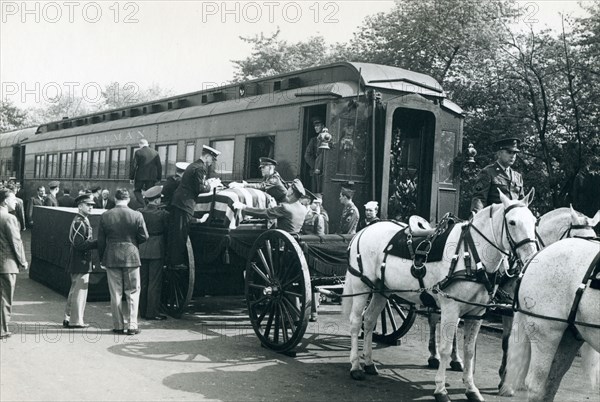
<point>152,254</point>
<point>51,200</point>
<point>12,257</point>
<point>66,200</point>
<point>80,262</point>
<point>105,202</point>
<point>193,182</point>
<point>146,169</point>
<point>19,211</point>
<point>120,232</point>
<point>499,176</point>
<point>38,200</point>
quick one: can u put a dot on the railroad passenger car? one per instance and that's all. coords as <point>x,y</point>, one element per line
<point>395,135</point>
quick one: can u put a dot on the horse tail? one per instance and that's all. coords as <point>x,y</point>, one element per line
<point>347,301</point>
<point>591,364</point>
<point>519,356</point>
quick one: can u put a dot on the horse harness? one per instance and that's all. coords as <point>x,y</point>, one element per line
<point>420,255</point>
<point>566,233</point>
<point>591,280</point>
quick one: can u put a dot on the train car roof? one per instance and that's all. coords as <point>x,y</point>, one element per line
<point>340,79</point>
<point>10,138</point>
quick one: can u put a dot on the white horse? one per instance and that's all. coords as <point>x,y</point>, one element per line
<point>551,227</point>
<point>495,231</point>
<point>544,341</point>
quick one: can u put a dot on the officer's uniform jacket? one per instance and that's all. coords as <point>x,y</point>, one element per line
<point>12,252</point>
<point>193,182</point>
<point>272,185</point>
<point>169,188</point>
<point>50,200</point>
<point>157,224</point>
<point>82,244</point>
<point>490,179</point>
<point>349,219</point>
<point>66,201</point>
<point>290,216</point>
<point>121,231</point>
<point>314,224</point>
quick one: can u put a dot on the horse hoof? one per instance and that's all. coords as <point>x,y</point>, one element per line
<point>357,375</point>
<point>474,396</point>
<point>442,397</point>
<point>371,369</point>
<point>433,363</point>
<point>456,366</point>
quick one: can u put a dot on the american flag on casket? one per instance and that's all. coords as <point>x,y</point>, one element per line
<point>220,205</point>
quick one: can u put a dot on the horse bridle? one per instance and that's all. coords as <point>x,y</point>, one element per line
<point>514,246</point>
<point>566,233</point>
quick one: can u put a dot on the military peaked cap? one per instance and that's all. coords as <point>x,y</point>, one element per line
<point>267,161</point>
<point>182,165</point>
<point>316,120</point>
<point>54,184</point>
<point>509,144</point>
<point>211,151</point>
<point>298,187</point>
<point>85,199</point>
<point>153,192</point>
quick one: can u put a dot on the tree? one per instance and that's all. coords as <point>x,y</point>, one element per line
<point>11,117</point>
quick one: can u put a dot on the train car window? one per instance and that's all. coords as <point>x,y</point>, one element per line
<point>98,164</point>
<point>81,164</point>
<point>224,166</point>
<point>447,152</point>
<point>40,164</point>
<point>66,167</point>
<point>117,163</point>
<point>51,165</point>
<point>190,152</point>
<point>255,148</point>
<point>168,158</point>
<point>353,144</point>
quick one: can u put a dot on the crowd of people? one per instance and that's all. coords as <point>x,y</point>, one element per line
<point>141,233</point>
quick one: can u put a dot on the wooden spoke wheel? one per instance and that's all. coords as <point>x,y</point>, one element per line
<point>395,321</point>
<point>178,285</point>
<point>278,291</point>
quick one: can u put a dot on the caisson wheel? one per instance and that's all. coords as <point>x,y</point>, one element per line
<point>395,321</point>
<point>278,290</point>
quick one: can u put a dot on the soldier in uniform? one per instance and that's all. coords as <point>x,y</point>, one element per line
<point>271,184</point>
<point>80,262</point>
<point>350,214</point>
<point>289,214</point>
<point>499,176</point>
<point>193,182</point>
<point>51,200</point>
<point>371,209</point>
<point>313,156</point>
<point>173,182</point>
<point>152,255</point>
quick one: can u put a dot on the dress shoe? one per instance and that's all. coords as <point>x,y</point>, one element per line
<point>6,335</point>
<point>133,331</point>
<point>118,331</point>
<point>65,323</point>
<point>78,326</point>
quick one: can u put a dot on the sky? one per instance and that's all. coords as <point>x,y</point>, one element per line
<point>50,48</point>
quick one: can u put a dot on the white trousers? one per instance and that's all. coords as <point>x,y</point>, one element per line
<point>77,298</point>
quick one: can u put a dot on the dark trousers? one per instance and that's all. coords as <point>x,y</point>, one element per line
<point>140,185</point>
<point>179,227</point>
<point>151,277</point>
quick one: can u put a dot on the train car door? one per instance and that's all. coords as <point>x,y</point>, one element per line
<point>417,178</point>
<point>308,132</point>
<point>18,157</point>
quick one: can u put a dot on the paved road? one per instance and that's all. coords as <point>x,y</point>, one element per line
<point>213,354</point>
